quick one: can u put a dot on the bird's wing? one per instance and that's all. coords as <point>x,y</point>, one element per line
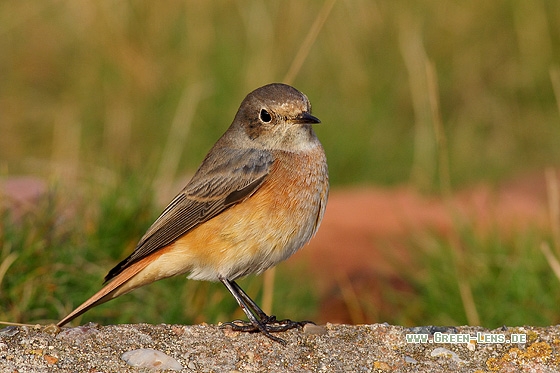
<point>223,179</point>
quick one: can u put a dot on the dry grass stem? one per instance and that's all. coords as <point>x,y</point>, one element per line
<point>305,47</point>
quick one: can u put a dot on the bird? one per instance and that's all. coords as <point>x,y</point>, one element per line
<point>258,197</point>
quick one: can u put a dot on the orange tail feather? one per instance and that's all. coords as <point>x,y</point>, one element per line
<point>108,291</point>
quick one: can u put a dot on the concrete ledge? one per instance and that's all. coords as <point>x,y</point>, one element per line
<point>329,348</point>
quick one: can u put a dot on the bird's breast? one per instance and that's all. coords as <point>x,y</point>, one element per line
<point>267,227</point>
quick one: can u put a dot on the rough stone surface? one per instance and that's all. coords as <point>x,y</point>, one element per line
<point>333,348</point>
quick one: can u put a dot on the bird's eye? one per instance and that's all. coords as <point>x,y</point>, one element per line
<point>265,116</point>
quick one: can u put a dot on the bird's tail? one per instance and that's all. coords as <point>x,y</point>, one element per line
<point>111,290</point>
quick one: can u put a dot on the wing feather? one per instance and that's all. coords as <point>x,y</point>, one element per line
<point>219,183</point>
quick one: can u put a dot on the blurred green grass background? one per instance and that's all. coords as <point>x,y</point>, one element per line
<point>112,100</point>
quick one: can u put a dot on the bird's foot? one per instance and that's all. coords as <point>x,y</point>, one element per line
<point>266,326</point>
<point>270,323</point>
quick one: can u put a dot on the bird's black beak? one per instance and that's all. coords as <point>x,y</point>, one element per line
<point>306,117</point>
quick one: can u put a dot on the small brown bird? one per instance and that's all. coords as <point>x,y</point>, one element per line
<point>257,198</point>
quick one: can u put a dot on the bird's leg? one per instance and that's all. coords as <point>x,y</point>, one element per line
<point>255,324</point>
<point>265,324</point>
<point>271,322</point>
<point>264,318</point>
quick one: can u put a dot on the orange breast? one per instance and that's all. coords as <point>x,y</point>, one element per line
<point>266,228</point>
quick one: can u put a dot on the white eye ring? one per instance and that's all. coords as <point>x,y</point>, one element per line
<point>265,116</point>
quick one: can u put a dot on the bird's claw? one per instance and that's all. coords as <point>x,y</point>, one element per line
<point>270,324</point>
